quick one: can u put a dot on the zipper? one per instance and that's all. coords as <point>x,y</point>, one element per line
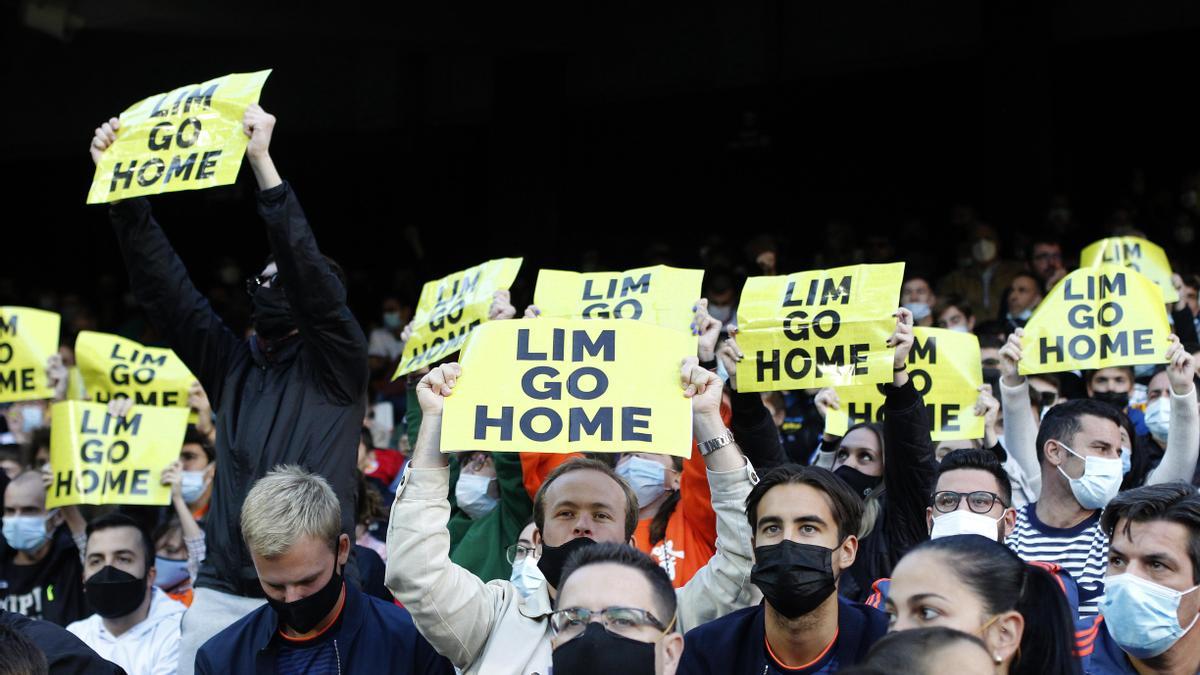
<point>337,655</point>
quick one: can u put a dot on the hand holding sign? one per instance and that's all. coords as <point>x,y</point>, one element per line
<point>437,384</point>
<point>902,340</point>
<point>1010,359</point>
<point>730,355</point>
<point>1180,367</point>
<point>258,125</point>
<point>709,330</point>
<point>988,408</point>
<point>106,135</point>
<point>502,307</point>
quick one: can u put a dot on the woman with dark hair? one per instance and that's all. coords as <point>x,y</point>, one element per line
<point>890,465</point>
<point>976,585</point>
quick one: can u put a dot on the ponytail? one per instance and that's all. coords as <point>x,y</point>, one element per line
<point>1048,641</point>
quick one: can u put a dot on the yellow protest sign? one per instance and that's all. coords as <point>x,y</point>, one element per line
<point>822,328</point>
<point>450,308</point>
<point>571,385</point>
<point>28,337</point>
<point>185,139</point>
<point>99,459</point>
<point>113,366</point>
<point>660,294</point>
<point>945,367</point>
<point>1137,253</point>
<point>1094,318</point>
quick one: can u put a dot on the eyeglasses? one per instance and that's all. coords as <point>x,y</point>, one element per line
<point>516,553</point>
<point>260,280</point>
<point>979,501</point>
<point>623,621</point>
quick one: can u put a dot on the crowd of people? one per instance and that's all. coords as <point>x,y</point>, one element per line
<point>316,524</point>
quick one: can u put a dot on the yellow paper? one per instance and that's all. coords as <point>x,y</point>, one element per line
<point>563,385</point>
<point>661,295</point>
<point>99,459</point>
<point>822,328</point>
<point>1140,254</point>
<point>115,366</point>
<point>186,139</point>
<point>450,308</point>
<point>945,367</point>
<point>28,337</point>
<point>1094,318</point>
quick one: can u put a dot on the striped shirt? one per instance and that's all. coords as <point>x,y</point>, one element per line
<point>1081,550</point>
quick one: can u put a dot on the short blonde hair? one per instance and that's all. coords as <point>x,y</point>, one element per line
<point>285,505</point>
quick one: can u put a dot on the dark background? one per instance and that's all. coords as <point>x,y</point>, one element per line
<point>426,139</point>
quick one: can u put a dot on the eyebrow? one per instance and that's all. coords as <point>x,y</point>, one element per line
<point>923,596</point>
<point>810,519</point>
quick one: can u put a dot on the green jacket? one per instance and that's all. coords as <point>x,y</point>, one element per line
<point>479,545</point>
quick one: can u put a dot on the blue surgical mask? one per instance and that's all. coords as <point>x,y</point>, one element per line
<point>31,418</point>
<point>169,572</point>
<point>1158,417</point>
<point>1126,460</point>
<point>1022,315</point>
<point>960,328</point>
<point>527,577</point>
<point>471,493</point>
<point>1141,616</point>
<point>392,320</point>
<point>192,486</point>
<point>26,533</point>
<point>1100,482</point>
<point>645,477</point>
<point>919,310</point>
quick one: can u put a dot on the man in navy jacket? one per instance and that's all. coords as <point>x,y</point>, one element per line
<point>804,521</point>
<point>314,622</point>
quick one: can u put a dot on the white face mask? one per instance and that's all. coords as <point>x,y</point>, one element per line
<point>965,522</point>
<point>192,484</point>
<point>527,577</point>
<point>960,328</point>
<point>1100,482</point>
<point>471,493</point>
<point>919,310</point>
<point>1158,417</point>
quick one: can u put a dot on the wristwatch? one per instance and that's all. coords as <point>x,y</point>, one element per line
<point>713,444</point>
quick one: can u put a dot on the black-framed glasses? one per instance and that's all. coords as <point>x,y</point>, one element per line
<point>517,553</point>
<point>624,621</point>
<point>259,280</point>
<point>980,501</point>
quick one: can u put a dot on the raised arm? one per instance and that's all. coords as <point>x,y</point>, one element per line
<point>723,585</point>
<point>909,468</point>
<point>451,607</point>
<point>1020,429</point>
<point>161,284</point>
<point>1183,441</point>
<point>317,297</point>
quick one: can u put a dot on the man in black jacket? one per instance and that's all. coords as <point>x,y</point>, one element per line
<point>294,393</point>
<point>65,653</point>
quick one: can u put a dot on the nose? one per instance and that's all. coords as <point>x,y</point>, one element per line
<point>583,526</point>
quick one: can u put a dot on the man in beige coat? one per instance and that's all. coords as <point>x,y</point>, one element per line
<point>489,629</point>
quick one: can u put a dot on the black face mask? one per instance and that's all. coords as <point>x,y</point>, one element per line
<point>601,652</point>
<point>554,557</point>
<point>304,614</point>
<point>862,484</point>
<point>114,593</point>
<point>1120,399</point>
<point>272,313</point>
<point>794,578</point>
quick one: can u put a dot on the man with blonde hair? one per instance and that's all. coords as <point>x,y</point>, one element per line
<point>313,622</point>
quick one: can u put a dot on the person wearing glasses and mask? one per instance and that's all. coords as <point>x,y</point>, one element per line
<point>973,495</point>
<point>292,393</point>
<point>804,521</point>
<point>616,614</point>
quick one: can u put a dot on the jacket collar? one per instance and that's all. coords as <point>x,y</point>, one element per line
<point>353,611</point>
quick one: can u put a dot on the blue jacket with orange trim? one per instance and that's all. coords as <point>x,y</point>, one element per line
<point>1098,652</point>
<point>736,643</point>
<point>879,589</point>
